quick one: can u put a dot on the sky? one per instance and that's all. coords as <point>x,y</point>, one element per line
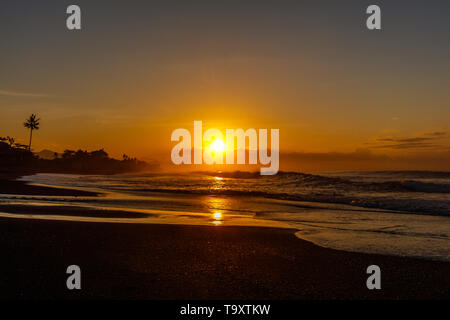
<point>343,97</point>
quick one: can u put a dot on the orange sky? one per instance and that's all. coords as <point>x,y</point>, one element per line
<point>343,97</point>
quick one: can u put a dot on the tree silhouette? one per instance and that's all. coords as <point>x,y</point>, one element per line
<point>10,140</point>
<point>31,123</point>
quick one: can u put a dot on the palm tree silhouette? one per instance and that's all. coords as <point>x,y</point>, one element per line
<point>31,123</point>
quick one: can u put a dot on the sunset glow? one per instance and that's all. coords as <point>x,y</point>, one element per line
<point>217,146</point>
<point>225,159</point>
<point>365,120</point>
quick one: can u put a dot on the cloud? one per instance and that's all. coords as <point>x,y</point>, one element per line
<point>22,94</point>
<point>364,159</point>
<point>305,161</point>
<point>436,134</point>
<point>357,155</point>
<point>425,141</point>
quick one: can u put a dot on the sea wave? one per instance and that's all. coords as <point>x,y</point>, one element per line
<point>414,192</point>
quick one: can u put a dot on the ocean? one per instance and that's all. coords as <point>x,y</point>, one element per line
<point>404,213</point>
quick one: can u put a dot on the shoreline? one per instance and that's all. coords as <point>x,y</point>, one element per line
<point>156,261</point>
<point>10,185</point>
<point>175,261</point>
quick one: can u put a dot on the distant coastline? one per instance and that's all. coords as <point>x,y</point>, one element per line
<point>16,160</point>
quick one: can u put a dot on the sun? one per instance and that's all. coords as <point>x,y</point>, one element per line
<point>217,146</point>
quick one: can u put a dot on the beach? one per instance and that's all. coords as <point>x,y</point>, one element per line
<point>130,261</point>
<point>225,150</point>
<point>9,185</point>
<point>389,213</point>
<point>161,261</point>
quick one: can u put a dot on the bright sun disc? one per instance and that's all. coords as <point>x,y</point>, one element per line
<point>217,146</point>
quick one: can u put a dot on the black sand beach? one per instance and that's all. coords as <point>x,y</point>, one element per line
<point>9,186</point>
<point>131,261</point>
<point>145,261</point>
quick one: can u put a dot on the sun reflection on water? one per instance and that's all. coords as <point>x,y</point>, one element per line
<point>217,216</point>
<point>217,205</point>
<point>217,183</point>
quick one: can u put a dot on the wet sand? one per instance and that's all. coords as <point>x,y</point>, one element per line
<point>71,211</point>
<point>135,261</point>
<point>10,186</point>
<point>144,261</point>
